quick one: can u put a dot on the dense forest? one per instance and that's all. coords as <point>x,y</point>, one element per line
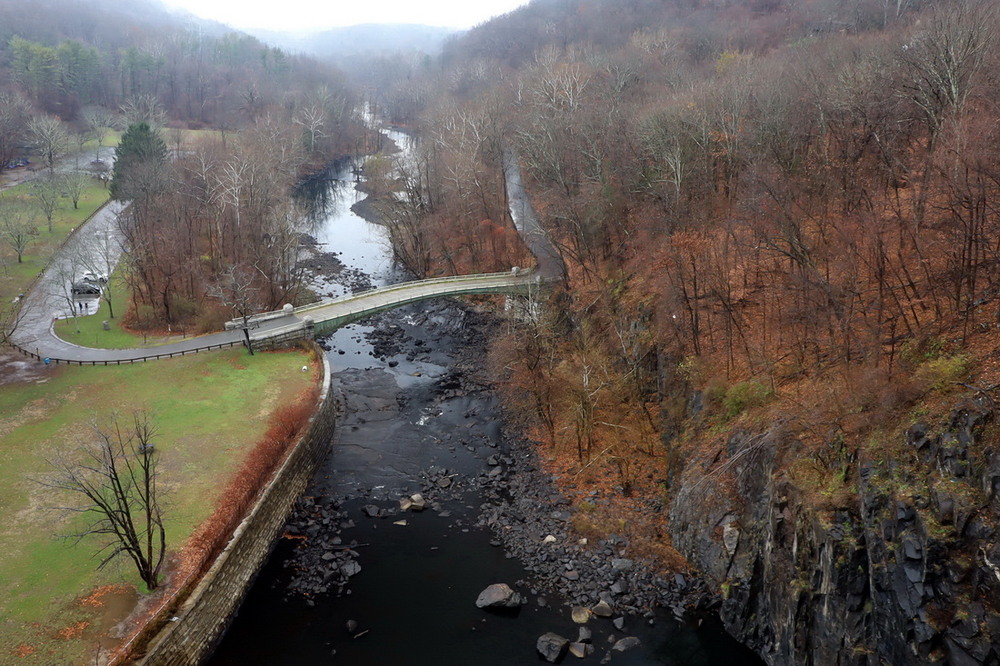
<point>755,195</point>
<point>214,229</point>
<point>780,222</point>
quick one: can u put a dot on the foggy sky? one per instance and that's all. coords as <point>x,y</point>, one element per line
<point>320,14</point>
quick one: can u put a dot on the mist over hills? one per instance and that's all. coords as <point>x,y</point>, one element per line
<point>366,39</point>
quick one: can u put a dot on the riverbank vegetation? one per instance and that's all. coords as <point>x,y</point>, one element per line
<point>53,603</point>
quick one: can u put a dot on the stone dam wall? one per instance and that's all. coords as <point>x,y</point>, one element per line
<point>204,616</point>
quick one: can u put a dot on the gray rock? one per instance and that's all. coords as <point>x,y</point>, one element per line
<point>626,644</point>
<point>499,595</point>
<point>619,623</point>
<point>551,646</point>
<point>621,564</point>
<point>912,548</point>
<point>584,636</point>
<point>581,650</point>
<point>730,537</point>
<point>602,609</point>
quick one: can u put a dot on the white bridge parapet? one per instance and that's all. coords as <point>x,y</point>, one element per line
<point>266,324</point>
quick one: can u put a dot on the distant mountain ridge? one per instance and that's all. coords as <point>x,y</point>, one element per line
<point>361,40</point>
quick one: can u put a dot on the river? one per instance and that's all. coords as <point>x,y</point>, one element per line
<point>357,580</point>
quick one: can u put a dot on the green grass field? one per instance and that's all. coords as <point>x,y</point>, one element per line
<point>15,277</point>
<point>208,409</point>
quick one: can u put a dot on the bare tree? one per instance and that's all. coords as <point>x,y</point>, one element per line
<point>143,109</point>
<point>66,274</point>
<point>236,290</point>
<point>17,228</point>
<point>944,60</point>
<point>46,192</point>
<point>74,184</point>
<point>49,136</point>
<point>312,119</point>
<point>99,121</point>
<point>117,483</point>
<point>11,315</point>
<point>15,113</point>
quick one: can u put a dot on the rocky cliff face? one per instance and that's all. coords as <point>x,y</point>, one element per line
<point>897,562</point>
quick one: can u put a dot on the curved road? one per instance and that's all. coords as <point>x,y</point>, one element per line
<point>50,298</point>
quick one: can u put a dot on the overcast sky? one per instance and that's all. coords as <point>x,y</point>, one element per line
<point>320,14</point>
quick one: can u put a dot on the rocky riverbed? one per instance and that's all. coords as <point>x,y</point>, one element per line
<point>426,500</point>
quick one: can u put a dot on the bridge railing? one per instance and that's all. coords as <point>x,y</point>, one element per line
<point>521,276</point>
<point>124,361</point>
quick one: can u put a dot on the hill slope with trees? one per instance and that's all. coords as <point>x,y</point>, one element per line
<point>775,355</point>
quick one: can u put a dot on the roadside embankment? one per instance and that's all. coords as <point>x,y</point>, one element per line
<point>195,627</point>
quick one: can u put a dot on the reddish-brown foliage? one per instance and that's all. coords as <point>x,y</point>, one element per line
<point>287,423</point>
<point>24,650</point>
<point>73,630</point>
<point>96,598</point>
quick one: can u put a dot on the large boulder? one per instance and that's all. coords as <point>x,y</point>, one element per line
<point>626,644</point>
<point>499,595</point>
<point>552,646</point>
<point>602,609</point>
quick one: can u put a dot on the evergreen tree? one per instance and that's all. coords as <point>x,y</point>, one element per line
<point>140,159</point>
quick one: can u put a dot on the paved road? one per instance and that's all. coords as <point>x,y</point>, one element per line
<point>550,263</point>
<point>97,243</point>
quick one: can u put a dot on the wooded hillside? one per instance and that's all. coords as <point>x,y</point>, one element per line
<point>776,217</point>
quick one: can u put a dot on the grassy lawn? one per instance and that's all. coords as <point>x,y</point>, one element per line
<point>189,139</point>
<point>208,410</point>
<point>15,277</point>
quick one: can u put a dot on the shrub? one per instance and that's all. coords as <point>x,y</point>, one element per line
<point>210,319</point>
<point>916,351</point>
<point>937,373</point>
<point>744,395</point>
<point>182,308</point>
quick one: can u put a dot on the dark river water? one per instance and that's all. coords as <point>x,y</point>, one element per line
<point>413,601</point>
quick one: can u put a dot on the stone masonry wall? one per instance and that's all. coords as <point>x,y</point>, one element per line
<point>205,614</point>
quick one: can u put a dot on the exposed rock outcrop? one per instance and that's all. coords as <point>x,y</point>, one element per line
<point>895,561</point>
